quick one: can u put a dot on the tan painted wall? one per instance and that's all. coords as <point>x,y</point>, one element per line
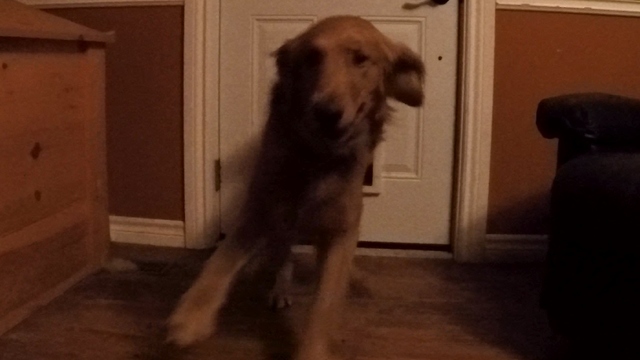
<point>541,54</point>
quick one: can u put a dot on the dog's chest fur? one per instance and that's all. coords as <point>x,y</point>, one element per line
<point>318,194</point>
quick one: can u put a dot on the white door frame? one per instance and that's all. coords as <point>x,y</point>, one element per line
<point>201,119</point>
<point>473,158</point>
<point>201,122</point>
<point>474,135</point>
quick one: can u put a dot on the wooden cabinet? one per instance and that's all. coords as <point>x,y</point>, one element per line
<point>53,189</point>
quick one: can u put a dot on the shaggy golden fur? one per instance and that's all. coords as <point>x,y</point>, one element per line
<point>327,112</point>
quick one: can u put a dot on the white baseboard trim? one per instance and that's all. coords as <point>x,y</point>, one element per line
<point>621,8</point>
<point>402,253</point>
<point>141,231</point>
<point>515,247</point>
<point>419,254</point>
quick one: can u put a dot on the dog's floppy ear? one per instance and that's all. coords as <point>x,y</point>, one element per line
<point>405,78</point>
<point>283,58</point>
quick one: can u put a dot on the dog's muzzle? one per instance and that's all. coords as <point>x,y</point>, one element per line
<point>328,120</point>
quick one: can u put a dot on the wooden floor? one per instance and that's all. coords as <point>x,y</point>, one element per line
<point>401,309</point>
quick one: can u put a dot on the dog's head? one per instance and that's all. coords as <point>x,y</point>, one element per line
<point>336,77</point>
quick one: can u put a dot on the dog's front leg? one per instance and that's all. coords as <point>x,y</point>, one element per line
<point>195,317</point>
<point>333,284</point>
<point>280,295</point>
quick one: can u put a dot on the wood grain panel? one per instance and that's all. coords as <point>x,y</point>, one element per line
<point>27,272</point>
<point>53,211</point>
<point>42,135</point>
<point>39,87</point>
<point>97,186</point>
<point>44,229</point>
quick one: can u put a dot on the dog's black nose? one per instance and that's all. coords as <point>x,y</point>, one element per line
<point>328,120</point>
<point>327,115</point>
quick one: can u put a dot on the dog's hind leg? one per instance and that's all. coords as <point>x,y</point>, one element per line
<point>196,315</point>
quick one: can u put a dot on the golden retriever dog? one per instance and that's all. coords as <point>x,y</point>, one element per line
<point>327,112</point>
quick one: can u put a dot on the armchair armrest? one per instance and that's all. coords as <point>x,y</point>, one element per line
<point>590,122</point>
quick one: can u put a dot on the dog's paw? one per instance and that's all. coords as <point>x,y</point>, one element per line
<point>279,299</point>
<point>185,328</point>
<point>280,294</point>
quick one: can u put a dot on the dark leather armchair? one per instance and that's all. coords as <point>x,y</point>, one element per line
<point>591,289</point>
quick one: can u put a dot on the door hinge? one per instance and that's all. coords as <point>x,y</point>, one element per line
<point>217,175</point>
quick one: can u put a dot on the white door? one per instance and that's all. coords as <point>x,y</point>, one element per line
<point>410,198</point>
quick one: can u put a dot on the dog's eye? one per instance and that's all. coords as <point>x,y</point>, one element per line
<point>359,58</point>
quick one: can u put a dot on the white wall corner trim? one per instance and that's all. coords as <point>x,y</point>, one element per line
<point>147,231</point>
<point>474,140</point>
<point>621,8</point>
<point>51,4</point>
